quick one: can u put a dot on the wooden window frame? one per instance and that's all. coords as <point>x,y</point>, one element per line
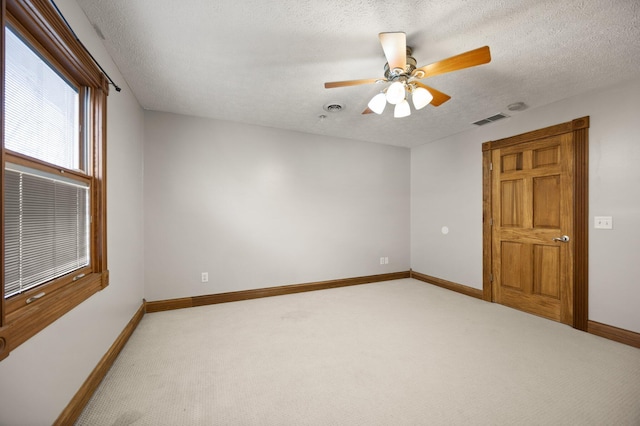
<point>39,22</point>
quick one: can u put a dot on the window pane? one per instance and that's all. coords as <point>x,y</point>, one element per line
<point>41,108</point>
<point>46,228</point>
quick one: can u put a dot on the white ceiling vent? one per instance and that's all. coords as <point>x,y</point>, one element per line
<point>333,107</point>
<point>498,116</point>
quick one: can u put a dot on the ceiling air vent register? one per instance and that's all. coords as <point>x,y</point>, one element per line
<point>333,107</point>
<point>491,119</point>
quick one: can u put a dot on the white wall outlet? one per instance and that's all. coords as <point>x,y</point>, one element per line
<point>384,260</point>
<point>205,277</point>
<point>603,222</point>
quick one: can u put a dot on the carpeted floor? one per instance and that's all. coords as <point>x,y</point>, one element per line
<point>392,353</point>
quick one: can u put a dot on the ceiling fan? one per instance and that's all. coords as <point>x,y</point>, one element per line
<point>401,71</point>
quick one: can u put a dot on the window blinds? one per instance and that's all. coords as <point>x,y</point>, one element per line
<point>46,228</point>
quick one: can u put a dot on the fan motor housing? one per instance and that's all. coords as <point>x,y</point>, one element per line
<point>394,74</point>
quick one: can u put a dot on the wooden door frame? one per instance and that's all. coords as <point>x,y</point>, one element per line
<point>580,129</point>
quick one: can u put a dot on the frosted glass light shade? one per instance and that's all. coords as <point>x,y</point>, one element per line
<point>421,97</point>
<point>377,103</point>
<point>402,109</point>
<point>395,93</point>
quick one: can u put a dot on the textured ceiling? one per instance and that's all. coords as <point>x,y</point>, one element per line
<point>265,62</point>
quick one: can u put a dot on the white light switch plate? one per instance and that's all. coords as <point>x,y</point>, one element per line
<point>603,222</point>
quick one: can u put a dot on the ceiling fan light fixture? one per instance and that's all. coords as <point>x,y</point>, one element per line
<point>402,75</point>
<point>402,109</point>
<point>395,93</point>
<point>377,103</point>
<point>421,97</point>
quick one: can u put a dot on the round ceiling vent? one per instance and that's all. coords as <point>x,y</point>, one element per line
<point>517,106</point>
<point>333,107</point>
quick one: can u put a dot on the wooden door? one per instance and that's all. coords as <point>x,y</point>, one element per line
<point>535,189</point>
<point>532,196</point>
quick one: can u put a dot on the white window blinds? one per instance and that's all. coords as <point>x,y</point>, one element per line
<point>46,228</point>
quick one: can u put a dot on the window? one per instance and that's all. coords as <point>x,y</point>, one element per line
<point>53,174</point>
<point>41,106</point>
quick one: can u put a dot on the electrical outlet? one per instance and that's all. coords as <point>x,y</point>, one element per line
<point>384,260</point>
<point>205,277</point>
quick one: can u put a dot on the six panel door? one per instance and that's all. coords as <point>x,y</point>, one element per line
<point>532,207</point>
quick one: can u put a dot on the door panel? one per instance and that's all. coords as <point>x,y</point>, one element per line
<point>546,202</point>
<point>546,271</point>
<point>513,253</point>
<point>512,199</point>
<point>532,204</point>
<point>546,156</point>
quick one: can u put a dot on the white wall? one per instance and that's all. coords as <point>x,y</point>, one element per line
<point>258,207</point>
<point>40,377</point>
<point>446,189</point>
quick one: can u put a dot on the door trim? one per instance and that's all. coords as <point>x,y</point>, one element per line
<point>580,129</point>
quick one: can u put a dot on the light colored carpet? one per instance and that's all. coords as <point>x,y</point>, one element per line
<point>392,353</point>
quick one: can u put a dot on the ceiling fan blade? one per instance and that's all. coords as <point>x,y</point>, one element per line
<point>438,97</point>
<point>464,60</point>
<point>333,84</point>
<point>395,49</point>
<point>367,111</point>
